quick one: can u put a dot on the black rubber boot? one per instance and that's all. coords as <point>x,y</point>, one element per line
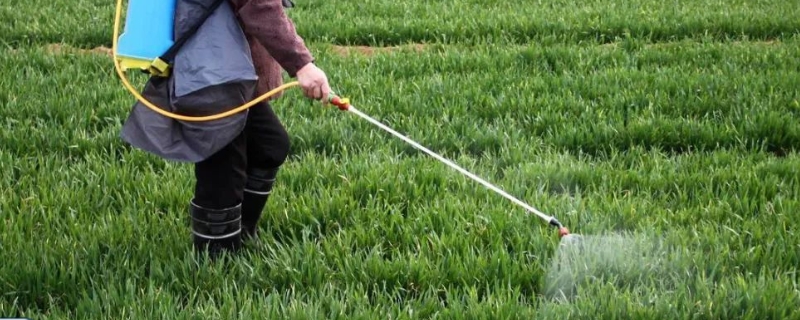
<point>216,230</point>
<point>256,193</point>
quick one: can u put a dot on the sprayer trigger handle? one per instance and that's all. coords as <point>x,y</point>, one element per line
<point>341,103</point>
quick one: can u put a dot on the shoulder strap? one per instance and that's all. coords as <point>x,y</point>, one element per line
<point>162,63</point>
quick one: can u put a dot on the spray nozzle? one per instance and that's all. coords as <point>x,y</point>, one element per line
<point>562,231</point>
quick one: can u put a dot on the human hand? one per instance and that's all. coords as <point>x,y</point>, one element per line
<point>314,82</point>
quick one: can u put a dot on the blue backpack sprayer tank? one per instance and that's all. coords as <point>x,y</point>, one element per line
<point>148,33</point>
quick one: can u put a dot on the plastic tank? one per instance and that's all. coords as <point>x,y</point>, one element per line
<point>148,31</point>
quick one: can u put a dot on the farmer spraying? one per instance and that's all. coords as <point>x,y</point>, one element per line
<point>235,59</point>
<point>236,159</point>
<point>184,110</point>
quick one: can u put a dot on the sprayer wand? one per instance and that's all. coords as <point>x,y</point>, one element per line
<point>344,105</point>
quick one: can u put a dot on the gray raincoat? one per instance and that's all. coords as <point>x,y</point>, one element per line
<point>212,73</point>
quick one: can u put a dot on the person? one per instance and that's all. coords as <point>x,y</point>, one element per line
<point>233,185</point>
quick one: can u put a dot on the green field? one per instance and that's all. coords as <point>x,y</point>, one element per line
<point>677,121</point>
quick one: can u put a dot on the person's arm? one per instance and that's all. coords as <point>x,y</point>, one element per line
<point>268,23</point>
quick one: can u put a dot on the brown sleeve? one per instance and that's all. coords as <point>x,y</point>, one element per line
<point>266,21</point>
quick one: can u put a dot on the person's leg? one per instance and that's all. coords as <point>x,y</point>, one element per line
<point>216,207</point>
<point>267,149</point>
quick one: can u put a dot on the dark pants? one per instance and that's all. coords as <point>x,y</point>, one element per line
<point>233,185</point>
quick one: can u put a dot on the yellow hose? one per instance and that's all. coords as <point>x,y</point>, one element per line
<point>163,112</point>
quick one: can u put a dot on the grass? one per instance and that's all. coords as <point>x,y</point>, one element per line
<point>677,123</point>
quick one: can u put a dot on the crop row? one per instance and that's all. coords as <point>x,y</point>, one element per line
<point>592,100</point>
<point>89,22</point>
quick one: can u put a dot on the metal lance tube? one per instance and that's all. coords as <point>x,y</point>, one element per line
<point>344,105</point>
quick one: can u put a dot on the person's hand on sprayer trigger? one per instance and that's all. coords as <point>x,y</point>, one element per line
<point>314,82</point>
